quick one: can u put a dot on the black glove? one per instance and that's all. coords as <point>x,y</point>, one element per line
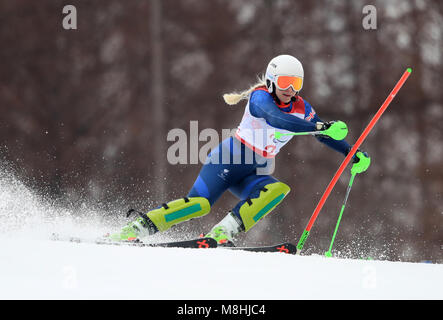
<point>356,159</point>
<point>321,126</point>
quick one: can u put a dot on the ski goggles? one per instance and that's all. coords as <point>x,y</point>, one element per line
<point>284,82</point>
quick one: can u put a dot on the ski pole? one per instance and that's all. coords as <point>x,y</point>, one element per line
<point>278,134</point>
<point>348,190</point>
<point>348,158</point>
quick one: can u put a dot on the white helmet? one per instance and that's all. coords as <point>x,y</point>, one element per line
<point>284,65</point>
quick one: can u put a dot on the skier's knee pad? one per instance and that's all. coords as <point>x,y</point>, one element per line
<point>177,211</point>
<point>255,209</point>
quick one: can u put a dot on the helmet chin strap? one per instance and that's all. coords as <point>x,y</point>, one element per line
<point>270,86</point>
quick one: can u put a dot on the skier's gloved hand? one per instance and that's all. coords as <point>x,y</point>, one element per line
<point>321,126</point>
<point>361,162</point>
<point>336,130</point>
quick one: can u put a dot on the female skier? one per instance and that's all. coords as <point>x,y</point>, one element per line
<point>239,164</point>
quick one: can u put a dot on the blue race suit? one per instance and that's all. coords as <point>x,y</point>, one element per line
<point>240,177</point>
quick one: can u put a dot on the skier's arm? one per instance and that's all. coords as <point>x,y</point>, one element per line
<point>338,145</point>
<point>261,105</point>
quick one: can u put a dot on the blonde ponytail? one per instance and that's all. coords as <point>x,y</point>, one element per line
<point>234,97</point>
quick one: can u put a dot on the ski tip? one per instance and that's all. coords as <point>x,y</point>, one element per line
<point>409,70</point>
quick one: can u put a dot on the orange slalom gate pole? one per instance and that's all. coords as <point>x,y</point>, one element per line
<point>348,158</point>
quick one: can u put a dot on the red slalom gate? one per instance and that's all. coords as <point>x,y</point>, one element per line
<point>349,157</point>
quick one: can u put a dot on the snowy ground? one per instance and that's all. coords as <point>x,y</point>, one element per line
<point>58,270</point>
<point>34,267</point>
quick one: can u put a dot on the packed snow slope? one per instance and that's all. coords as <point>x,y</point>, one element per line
<point>59,270</point>
<point>34,267</point>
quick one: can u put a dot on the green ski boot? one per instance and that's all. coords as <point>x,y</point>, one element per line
<point>140,227</point>
<point>220,235</point>
<point>225,230</point>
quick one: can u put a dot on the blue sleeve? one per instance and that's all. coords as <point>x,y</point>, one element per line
<point>261,105</point>
<point>338,145</point>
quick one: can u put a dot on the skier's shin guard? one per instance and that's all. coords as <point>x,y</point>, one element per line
<point>255,209</point>
<point>177,211</point>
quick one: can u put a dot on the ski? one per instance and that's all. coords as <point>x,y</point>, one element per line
<point>200,243</point>
<point>285,247</point>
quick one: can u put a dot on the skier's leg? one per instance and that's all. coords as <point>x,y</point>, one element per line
<point>215,177</point>
<point>197,204</point>
<point>259,196</point>
<point>221,171</point>
<point>163,217</point>
<point>208,187</point>
<point>264,197</point>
